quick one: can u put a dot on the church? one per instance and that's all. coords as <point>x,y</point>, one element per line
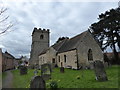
<point>76,52</point>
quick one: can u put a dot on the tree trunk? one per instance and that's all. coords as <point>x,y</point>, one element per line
<point>116,57</point>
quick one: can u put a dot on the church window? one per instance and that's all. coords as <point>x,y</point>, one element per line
<point>41,36</point>
<point>59,58</point>
<point>65,58</point>
<point>90,56</point>
<point>53,60</point>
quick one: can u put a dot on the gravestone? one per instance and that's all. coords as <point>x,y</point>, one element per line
<point>100,71</point>
<point>37,82</point>
<point>62,69</point>
<point>106,64</point>
<point>23,70</point>
<point>46,71</point>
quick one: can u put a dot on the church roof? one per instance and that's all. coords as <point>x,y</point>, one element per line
<point>66,44</point>
<point>44,51</point>
<point>58,45</point>
<point>71,43</point>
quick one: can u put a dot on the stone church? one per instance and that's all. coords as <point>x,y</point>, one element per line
<point>76,52</point>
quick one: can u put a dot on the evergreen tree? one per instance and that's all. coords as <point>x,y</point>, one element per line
<point>107,30</point>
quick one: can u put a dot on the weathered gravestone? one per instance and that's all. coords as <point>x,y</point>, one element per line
<point>100,71</point>
<point>46,71</point>
<point>37,82</point>
<point>23,70</point>
<point>62,69</point>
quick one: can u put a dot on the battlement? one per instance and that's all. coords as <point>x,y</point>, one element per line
<point>40,30</point>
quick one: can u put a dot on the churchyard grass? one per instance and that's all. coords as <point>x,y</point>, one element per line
<point>71,78</point>
<point>86,79</point>
<point>22,81</point>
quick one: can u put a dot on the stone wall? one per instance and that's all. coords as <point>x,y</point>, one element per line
<point>71,59</point>
<point>48,56</point>
<point>85,44</point>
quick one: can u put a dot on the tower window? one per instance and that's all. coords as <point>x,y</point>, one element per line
<point>41,36</point>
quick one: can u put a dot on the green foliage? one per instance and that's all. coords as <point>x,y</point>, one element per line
<point>107,28</point>
<point>61,38</point>
<point>53,84</point>
<point>78,77</point>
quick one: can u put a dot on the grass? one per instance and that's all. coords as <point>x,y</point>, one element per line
<point>22,81</point>
<point>69,79</point>
<point>87,78</point>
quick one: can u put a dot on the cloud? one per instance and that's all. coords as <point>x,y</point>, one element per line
<point>62,18</point>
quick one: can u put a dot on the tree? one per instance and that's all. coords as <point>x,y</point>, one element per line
<point>61,38</point>
<point>5,25</point>
<point>107,30</point>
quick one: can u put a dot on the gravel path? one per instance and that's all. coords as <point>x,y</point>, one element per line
<point>7,83</point>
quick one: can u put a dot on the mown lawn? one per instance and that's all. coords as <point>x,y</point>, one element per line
<point>69,78</point>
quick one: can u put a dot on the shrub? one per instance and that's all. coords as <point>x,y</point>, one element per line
<point>53,84</point>
<point>78,77</point>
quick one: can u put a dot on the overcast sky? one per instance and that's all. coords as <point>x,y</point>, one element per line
<point>62,18</point>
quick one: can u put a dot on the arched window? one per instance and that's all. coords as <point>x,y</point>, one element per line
<point>90,56</point>
<point>41,36</point>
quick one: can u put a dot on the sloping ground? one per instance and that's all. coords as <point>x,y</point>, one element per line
<point>70,79</point>
<point>87,78</point>
<point>8,80</point>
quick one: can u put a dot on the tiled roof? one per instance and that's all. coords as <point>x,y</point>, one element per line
<point>71,43</point>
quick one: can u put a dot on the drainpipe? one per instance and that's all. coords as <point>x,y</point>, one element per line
<point>77,59</point>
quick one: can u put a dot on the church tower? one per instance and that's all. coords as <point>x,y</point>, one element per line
<point>40,41</point>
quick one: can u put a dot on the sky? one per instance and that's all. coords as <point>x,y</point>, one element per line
<point>63,18</point>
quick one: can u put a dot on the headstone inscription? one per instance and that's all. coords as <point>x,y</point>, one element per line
<point>23,70</point>
<point>46,71</point>
<point>100,71</point>
<point>37,82</point>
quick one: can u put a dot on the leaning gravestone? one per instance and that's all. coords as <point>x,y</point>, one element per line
<point>37,82</point>
<point>62,69</point>
<point>46,71</point>
<point>100,71</point>
<point>23,70</point>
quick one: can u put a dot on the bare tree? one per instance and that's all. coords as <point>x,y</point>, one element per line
<point>5,24</point>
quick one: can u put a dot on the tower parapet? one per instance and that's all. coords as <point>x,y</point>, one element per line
<point>41,30</point>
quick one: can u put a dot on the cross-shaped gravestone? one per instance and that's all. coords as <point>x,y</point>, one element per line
<point>37,82</point>
<point>46,71</point>
<point>100,71</point>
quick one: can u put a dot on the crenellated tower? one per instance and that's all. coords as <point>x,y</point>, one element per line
<point>40,41</point>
